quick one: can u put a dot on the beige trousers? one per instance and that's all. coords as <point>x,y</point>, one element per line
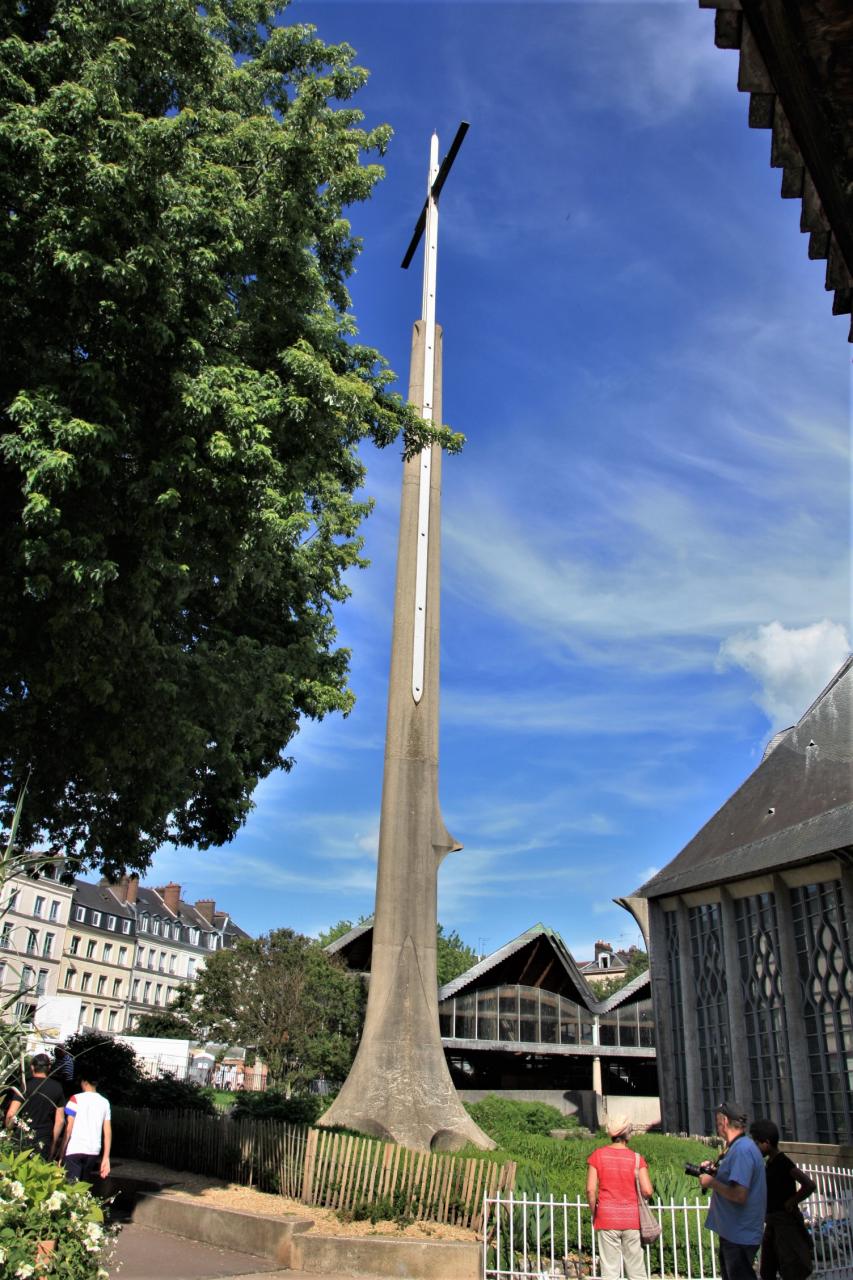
<point>613,1246</point>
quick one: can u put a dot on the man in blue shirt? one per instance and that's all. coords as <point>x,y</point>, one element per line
<point>739,1199</point>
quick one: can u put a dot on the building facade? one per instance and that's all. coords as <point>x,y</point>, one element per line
<point>750,932</point>
<point>32,937</point>
<point>96,957</point>
<point>525,1021</point>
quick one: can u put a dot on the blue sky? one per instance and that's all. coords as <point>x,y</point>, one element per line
<point>645,567</point>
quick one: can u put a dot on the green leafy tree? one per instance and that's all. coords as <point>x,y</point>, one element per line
<point>454,955</point>
<point>282,995</point>
<point>182,399</point>
<point>112,1064</point>
<point>163,1024</point>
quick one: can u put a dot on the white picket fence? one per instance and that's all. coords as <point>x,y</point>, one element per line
<point>552,1239</point>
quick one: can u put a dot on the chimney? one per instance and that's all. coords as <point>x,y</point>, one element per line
<point>206,907</point>
<point>132,890</point>
<point>171,895</point>
<point>602,946</point>
<point>120,889</point>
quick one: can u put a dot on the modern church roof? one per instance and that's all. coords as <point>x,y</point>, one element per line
<point>795,807</point>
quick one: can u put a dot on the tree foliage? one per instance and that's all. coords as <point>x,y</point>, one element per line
<point>163,1024</point>
<point>181,402</point>
<point>454,955</point>
<point>282,995</point>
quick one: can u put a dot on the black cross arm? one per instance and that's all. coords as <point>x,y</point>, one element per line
<point>435,191</point>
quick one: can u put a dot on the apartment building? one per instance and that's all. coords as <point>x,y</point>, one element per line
<point>173,941</point>
<point>32,935</point>
<point>98,956</point>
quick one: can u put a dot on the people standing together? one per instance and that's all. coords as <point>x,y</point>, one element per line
<point>753,1204</point>
<point>72,1128</point>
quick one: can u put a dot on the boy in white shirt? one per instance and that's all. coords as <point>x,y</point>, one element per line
<point>88,1134</point>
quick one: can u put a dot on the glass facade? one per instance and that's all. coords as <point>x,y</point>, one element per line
<point>764,1010</point>
<point>825,964</point>
<point>532,1016</point>
<point>711,996</point>
<point>678,1074</point>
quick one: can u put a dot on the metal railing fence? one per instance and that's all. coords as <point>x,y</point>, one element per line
<point>538,1239</point>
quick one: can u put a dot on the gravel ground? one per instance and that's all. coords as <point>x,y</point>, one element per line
<point>229,1195</point>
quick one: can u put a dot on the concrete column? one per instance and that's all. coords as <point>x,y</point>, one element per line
<point>665,1046</point>
<point>734,1000</point>
<point>695,1109</point>
<point>399,1087</point>
<point>798,1058</point>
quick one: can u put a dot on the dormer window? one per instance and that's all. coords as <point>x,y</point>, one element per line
<point>157,925</point>
<point>144,922</point>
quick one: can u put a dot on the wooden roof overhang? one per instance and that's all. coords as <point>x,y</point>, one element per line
<point>796,64</point>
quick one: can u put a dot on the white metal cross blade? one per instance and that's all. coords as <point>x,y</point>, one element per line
<point>425,456</point>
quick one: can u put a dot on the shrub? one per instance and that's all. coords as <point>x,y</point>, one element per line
<point>37,1205</point>
<point>168,1093</point>
<point>504,1119</point>
<point>113,1065</point>
<point>302,1108</point>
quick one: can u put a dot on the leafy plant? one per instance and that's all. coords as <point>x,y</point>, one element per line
<point>505,1119</point>
<point>37,1205</point>
<point>168,1093</point>
<point>113,1065</point>
<point>302,1108</point>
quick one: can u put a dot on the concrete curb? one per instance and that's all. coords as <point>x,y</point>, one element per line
<point>226,1228</point>
<point>286,1241</point>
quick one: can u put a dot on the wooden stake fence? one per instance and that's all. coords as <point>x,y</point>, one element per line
<point>319,1167</point>
<point>349,1173</point>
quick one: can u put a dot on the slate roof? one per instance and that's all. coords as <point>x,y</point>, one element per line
<point>796,63</point>
<point>796,807</point>
<point>97,897</point>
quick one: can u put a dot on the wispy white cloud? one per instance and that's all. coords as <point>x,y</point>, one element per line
<point>790,664</point>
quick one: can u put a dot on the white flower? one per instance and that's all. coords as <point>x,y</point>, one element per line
<point>24,1270</point>
<point>17,1192</point>
<point>94,1231</point>
<point>55,1201</point>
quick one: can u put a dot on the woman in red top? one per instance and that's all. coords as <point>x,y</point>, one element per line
<point>612,1194</point>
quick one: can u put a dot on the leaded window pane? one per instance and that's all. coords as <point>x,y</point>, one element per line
<point>825,963</point>
<point>678,1075</point>
<point>764,1010</point>
<point>711,996</point>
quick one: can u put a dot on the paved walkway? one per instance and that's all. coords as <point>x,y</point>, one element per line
<point>145,1254</point>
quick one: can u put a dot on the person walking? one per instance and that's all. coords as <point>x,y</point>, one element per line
<point>42,1105</point>
<point>739,1200</point>
<point>786,1246</point>
<point>611,1191</point>
<point>88,1133</point>
<point>63,1069</point>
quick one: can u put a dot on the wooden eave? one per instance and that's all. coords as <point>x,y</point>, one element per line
<point>796,63</point>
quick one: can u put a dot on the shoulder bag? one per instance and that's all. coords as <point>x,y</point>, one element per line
<point>650,1228</point>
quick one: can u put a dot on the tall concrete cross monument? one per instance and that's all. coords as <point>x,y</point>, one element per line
<point>399,1087</point>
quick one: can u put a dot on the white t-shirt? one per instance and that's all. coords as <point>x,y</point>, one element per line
<point>89,1111</point>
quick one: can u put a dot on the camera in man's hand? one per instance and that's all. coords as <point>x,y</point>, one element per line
<point>696,1170</point>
